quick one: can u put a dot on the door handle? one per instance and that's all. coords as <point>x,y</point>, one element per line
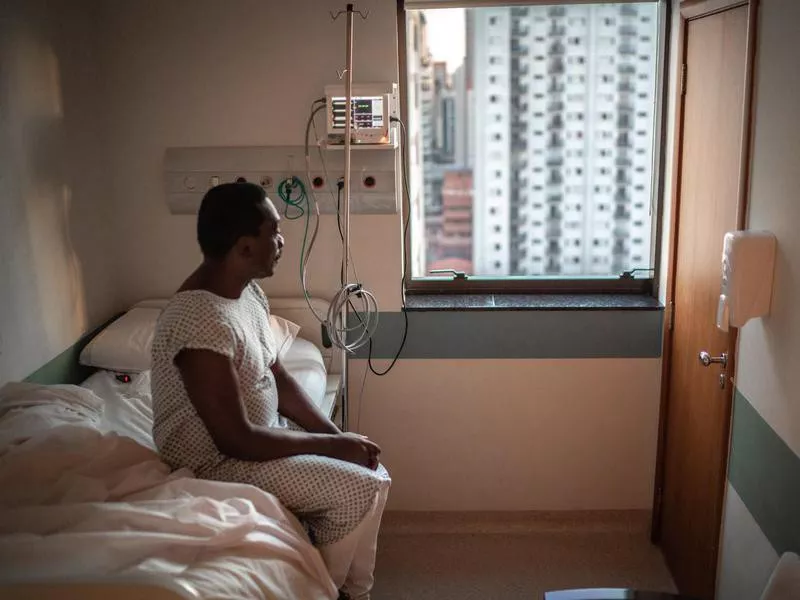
<point>709,360</point>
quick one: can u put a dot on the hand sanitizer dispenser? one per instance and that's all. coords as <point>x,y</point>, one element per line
<point>748,264</point>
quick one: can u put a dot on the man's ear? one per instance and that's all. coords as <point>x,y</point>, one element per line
<point>243,248</point>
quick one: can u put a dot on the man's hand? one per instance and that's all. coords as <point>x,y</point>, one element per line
<point>355,448</point>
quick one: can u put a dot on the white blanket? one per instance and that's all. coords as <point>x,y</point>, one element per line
<point>76,502</point>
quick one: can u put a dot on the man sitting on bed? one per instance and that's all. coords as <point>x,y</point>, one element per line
<point>225,407</point>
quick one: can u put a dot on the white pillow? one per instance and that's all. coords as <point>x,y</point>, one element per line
<point>284,332</point>
<point>124,346</point>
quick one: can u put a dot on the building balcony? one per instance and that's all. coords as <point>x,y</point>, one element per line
<point>519,89</point>
<point>628,31</point>
<point>556,88</point>
<point>556,106</point>
<point>555,66</point>
<point>624,106</point>
<point>622,214</point>
<point>555,162</point>
<point>518,49</point>
<point>557,48</point>
<point>626,69</point>
<point>553,231</point>
<point>519,29</point>
<point>555,141</point>
<point>626,88</point>
<point>623,162</point>
<point>557,122</point>
<point>626,10</point>
<point>627,49</point>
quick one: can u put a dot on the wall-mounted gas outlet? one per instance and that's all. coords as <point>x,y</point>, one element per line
<point>190,172</point>
<point>368,181</point>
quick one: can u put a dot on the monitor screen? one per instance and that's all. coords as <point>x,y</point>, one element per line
<point>367,112</point>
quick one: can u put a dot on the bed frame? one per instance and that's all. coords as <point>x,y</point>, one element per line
<point>66,369</point>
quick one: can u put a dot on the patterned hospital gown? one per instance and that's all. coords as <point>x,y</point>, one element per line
<point>331,496</point>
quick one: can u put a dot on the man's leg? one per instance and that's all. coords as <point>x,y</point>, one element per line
<point>361,577</point>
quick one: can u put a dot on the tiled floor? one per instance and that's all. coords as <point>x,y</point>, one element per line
<point>513,561</point>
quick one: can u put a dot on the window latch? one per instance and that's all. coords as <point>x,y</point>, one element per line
<point>456,274</point>
<point>630,274</point>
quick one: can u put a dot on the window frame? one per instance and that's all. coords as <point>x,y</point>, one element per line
<point>544,285</point>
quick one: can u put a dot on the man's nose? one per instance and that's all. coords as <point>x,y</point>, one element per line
<point>280,241</point>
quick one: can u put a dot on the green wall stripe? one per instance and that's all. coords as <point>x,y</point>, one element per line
<point>520,334</point>
<point>66,368</point>
<point>765,473</point>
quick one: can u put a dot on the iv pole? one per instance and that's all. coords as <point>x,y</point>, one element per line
<point>348,124</point>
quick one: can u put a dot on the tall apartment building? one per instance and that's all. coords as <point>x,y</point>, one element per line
<point>419,131</point>
<point>564,113</point>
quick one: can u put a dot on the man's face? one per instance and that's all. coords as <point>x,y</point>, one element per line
<point>268,245</point>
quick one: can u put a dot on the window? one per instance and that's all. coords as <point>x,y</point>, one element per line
<point>550,143</point>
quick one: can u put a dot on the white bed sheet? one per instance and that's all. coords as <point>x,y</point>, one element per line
<point>128,406</point>
<point>79,501</point>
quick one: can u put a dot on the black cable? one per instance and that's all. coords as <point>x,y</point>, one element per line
<point>339,187</point>
<point>405,264</point>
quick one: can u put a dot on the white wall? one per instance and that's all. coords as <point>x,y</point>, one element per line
<point>210,73</point>
<point>769,348</point>
<point>202,73</point>
<point>53,183</point>
<point>503,434</point>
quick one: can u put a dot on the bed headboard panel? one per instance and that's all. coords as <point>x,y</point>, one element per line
<point>66,368</point>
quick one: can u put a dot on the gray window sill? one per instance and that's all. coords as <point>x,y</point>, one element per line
<point>495,302</point>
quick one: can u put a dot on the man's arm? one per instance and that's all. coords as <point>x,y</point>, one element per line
<point>294,403</point>
<point>213,387</point>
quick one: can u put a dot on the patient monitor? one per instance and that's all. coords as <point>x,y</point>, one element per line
<point>371,107</point>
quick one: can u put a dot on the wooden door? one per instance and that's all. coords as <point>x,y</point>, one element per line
<point>698,408</point>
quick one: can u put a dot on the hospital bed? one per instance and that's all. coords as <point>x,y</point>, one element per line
<point>87,509</point>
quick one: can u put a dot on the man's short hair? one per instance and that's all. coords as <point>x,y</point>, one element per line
<point>228,212</point>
